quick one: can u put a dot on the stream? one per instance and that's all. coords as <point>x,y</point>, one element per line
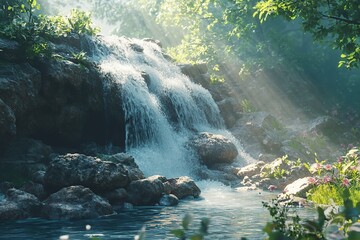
<point>232,215</point>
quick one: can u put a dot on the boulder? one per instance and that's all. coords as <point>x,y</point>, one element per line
<point>183,187</point>
<point>198,73</point>
<point>250,170</point>
<point>260,133</point>
<point>213,148</point>
<point>36,189</point>
<point>298,188</point>
<point>169,200</point>
<point>146,191</point>
<point>128,162</point>
<point>77,169</point>
<point>19,205</point>
<point>75,202</point>
<point>118,196</point>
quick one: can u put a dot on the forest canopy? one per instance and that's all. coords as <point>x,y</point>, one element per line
<point>336,21</point>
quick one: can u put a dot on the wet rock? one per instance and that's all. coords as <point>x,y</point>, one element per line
<point>78,169</point>
<point>228,110</point>
<point>216,175</point>
<point>157,42</point>
<point>128,162</point>
<point>169,200</point>
<point>146,191</point>
<point>198,73</point>
<point>213,148</point>
<point>75,202</point>
<point>183,187</point>
<point>19,205</point>
<point>118,196</point>
<point>36,189</point>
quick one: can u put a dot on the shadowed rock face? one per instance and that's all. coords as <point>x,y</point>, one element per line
<point>60,102</point>
<point>75,202</point>
<point>213,149</point>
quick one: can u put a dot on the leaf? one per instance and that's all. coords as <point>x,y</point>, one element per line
<point>179,233</point>
<point>353,235</point>
<point>204,225</point>
<point>197,237</point>
<point>322,218</point>
<point>186,221</point>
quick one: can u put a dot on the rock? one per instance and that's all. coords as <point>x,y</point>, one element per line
<point>75,202</point>
<point>28,150</point>
<point>260,133</point>
<point>5,186</point>
<point>19,89</point>
<point>298,188</point>
<point>169,200</point>
<point>198,73</point>
<point>216,175</point>
<point>229,110</point>
<point>36,189</point>
<point>118,196</point>
<point>157,42</point>
<point>146,191</point>
<point>183,187</point>
<point>250,170</point>
<point>10,211</point>
<point>10,50</point>
<point>7,125</point>
<point>213,149</point>
<point>19,205</point>
<point>128,162</point>
<point>77,169</point>
<point>38,177</point>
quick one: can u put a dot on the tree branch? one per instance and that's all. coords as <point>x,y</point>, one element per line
<point>341,19</point>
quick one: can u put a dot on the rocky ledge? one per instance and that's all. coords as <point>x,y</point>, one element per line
<point>76,186</point>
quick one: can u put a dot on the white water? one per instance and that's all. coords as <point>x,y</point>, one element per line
<point>161,112</point>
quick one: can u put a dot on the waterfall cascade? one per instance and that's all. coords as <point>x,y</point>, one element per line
<point>162,107</point>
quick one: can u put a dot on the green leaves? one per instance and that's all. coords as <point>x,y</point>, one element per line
<point>338,21</point>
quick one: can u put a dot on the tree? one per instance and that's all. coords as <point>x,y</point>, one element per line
<point>335,20</point>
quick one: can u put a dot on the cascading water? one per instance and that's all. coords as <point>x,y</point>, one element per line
<point>163,108</point>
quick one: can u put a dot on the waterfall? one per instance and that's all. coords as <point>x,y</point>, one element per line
<point>162,107</point>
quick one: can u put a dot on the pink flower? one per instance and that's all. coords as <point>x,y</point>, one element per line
<point>346,182</point>
<point>326,179</point>
<point>328,167</point>
<point>312,180</point>
<point>272,188</point>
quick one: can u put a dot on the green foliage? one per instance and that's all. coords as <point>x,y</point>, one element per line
<point>335,20</point>
<point>286,224</point>
<point>185,232</point>
<point>332,181</point>
<point>281,169</point>
<point>246,106</point>
<point>20,21</point>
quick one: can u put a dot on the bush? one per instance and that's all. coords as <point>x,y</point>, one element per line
<point>19,21</point>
